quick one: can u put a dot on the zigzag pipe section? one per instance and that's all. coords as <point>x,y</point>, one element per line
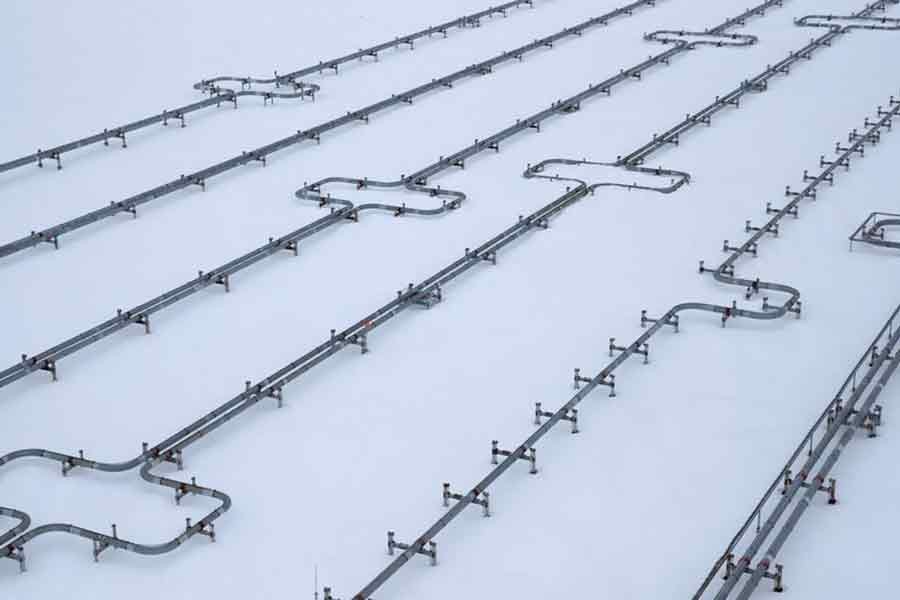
<point>170,450</point>
<point>47,360</point>
<point>849,23</point>
<point>199,178</point>
<point>219,95</point>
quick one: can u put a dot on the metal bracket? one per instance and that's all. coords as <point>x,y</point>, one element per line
<point>69,463</point>
<point>871,422</point>
<point>16,553</point>
<point>726,270</point>
<point>818,483</point>
<point>773,229</point>
<point>530,455</point>
<point>531,223</point>
<point>794,211</point>
<point>430,297</point>
<point>484,501</point>
<point>184,490</point>
<point>609,381</point>
<point>643,350</point>
<point>751,249</point>
<point>777,576</point>
<point>571,416</point>
<point>672,321</point>
<point>101,545</point>
<point>206,529</point>
<point>431,552</point>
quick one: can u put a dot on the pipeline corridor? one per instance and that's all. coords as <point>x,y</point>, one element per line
<point>199,178</point>
<point>219,95</point>
<point>170,450</point>
<point>140,315</point>
<point>428,293</point>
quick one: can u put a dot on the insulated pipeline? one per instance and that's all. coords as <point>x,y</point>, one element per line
<point>219,94</point>
<point>884,359</point>
<point>199,178</point>
<point>47,360</point>
<point>425,294</point>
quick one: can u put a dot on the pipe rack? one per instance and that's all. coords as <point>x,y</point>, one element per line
<point>219,95</point>
<point>199,178</point>
<point>756,84</point>
<point>834,22</point>
<point>47,360</point>
<point>606,378</point>
<point>843,419</point>
<point>170,450</point>
<point>640,347</point>
<point>871,231</point>
<point>426,294</point>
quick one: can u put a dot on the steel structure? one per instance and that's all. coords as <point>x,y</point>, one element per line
<point>199,178</point>
<point>853,408</point>
<point>849,22</point>
<point>292,80</point>
<point>725,273</point>
<point>47,360</point>
<point>425,294</point>
<point>824,428</point>
<point>871,231</point>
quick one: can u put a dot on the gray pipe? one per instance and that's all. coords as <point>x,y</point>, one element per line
<point>219,94</point>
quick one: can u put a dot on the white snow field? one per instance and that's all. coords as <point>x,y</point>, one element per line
<point>640,504</point>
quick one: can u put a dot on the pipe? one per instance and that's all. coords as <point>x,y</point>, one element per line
<point>218,94</point>
<point>51,235</point>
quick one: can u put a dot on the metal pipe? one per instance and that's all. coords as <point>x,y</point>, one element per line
<point>219,94</point>
<point>140,314</point>
<point>51,235</point>
<point>847,436</point>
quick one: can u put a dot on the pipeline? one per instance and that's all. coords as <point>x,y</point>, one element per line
<point>199,178</point>
<point>479,495</point>
<point>865,417</point>
<point>417,182</point>
<point>827,419</point>
<point>425,544</point>
<point>426,294</point>
<point>219,95</point>
<point>872,230</point>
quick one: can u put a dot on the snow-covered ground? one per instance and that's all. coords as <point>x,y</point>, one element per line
<point>637,506</point>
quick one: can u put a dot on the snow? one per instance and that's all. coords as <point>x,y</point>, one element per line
<point>639,505</point>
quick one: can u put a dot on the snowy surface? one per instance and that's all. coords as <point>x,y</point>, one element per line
<point>638,506</point>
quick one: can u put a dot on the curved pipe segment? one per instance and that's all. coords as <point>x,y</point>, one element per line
<point>52,234</point>
<point>677,179</point>
<point>314,192</point>
<point>219,95</point>
<point>701,38</point>
<point>848,23</point>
